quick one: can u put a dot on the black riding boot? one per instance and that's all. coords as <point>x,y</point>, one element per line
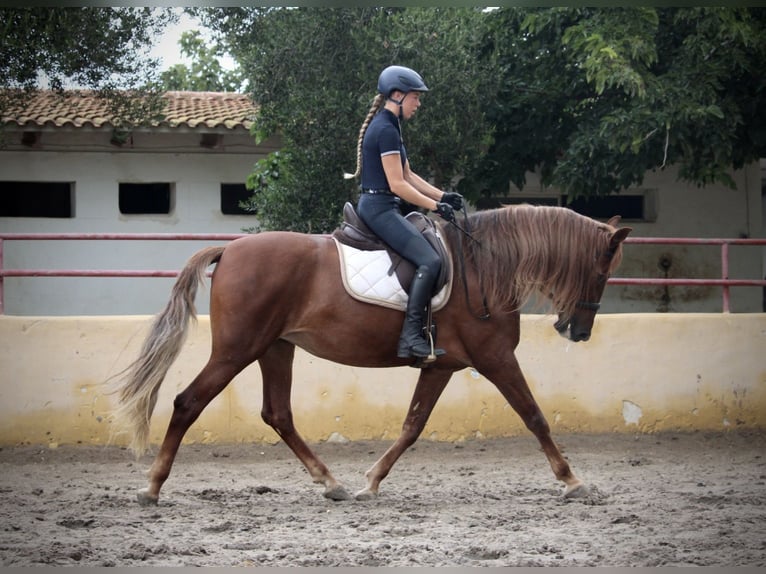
<point>412,343</point>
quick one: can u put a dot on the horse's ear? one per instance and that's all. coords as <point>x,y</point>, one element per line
<point>619,236</point>
<point>614,220</point>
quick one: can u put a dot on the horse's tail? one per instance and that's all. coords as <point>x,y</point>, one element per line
<point>143,377</point>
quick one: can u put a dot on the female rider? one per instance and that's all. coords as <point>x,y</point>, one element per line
<point>386,180</point>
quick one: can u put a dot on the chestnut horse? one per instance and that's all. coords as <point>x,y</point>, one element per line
<point>275,290</point>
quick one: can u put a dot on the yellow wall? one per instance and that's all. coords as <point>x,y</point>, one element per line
<point>638,373</point>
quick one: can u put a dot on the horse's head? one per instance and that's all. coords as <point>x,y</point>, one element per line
<point>577,325</point>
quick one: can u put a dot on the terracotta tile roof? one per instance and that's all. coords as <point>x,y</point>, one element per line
<point>200,110</point>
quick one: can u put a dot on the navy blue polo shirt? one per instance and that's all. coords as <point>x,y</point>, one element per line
<point>383,137</point>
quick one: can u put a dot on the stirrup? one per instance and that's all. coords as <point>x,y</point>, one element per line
<point>423,357</point>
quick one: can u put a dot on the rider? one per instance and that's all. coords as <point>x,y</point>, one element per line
<point>386,181</point>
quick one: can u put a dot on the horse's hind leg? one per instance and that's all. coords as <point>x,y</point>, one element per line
<point>430,385</point>
<point>510,381</point>
<point>277,370</point>
<point>186,409</point>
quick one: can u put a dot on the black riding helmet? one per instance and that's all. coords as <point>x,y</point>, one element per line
<point>402,79</point>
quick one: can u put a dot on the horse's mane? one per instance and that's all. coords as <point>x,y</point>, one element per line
<point>521,250</point>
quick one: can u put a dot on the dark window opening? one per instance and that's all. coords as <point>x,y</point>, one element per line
<point>231,196</point>
<point>636,207</point>
<point>145,198</point>
<point>626,206</point>
<point>36,199</point>
<point>495,202</point>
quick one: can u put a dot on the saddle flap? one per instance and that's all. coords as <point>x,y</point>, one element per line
<point>366,278</point>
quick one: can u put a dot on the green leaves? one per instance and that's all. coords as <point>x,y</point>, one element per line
<point>613,47</point>
<point>314,74</point>
<point>206,73</point>
<point>590,98</point>
<point>595,98</point>
<point>91,47</point>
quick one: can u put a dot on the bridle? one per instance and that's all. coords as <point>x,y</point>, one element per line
<point>562,323</point>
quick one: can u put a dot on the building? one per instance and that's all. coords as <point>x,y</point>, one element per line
<point>65,167</point>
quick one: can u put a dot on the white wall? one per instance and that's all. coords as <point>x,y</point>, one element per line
<point>197,180</point>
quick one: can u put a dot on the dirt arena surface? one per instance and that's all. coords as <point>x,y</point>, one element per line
<point>656,500</point>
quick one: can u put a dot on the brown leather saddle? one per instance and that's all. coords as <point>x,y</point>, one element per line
<point>355,233</point>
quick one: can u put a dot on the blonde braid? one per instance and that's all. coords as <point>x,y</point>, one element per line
<point>376,105</point>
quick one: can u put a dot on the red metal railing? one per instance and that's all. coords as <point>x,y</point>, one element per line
<point>724,281</point>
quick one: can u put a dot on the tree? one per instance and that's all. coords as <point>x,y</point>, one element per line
<point>206,73</point>
<point>595,98</point>
<point>105,49</point>
<point>313,73</point>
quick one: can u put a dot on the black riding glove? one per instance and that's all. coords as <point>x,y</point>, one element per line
<point>454,199</point>
<point>444,210</point>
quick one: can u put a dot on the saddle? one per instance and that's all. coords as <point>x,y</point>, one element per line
<point>353,232</point>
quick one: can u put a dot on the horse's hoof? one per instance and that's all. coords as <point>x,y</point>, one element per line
<point>577,491</point>
<point>146,499</point>
<point>366,494</point>
<point>337,493</point>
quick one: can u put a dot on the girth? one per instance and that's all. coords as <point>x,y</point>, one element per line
<point>355,233</point>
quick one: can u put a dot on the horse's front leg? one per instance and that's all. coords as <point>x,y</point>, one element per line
<point>510,381</point>
<point>429,388</point>
<point>277,370</point>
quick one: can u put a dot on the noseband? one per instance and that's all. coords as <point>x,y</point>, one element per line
<point>588,305</point>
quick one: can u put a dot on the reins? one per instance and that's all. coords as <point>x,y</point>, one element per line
<point>467,232</point>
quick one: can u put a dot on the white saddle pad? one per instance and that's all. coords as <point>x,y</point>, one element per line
<point>366,278</point>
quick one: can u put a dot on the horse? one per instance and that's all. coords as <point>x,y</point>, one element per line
<point>276,290</point>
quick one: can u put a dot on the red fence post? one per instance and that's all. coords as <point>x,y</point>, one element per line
<point>725,274</point>
<point>2,306</point>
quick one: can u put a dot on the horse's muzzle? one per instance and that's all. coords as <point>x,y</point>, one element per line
<point>579,335</point>
<point>569,330</point>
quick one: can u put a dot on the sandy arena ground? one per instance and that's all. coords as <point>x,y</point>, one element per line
<point>656,500</point>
